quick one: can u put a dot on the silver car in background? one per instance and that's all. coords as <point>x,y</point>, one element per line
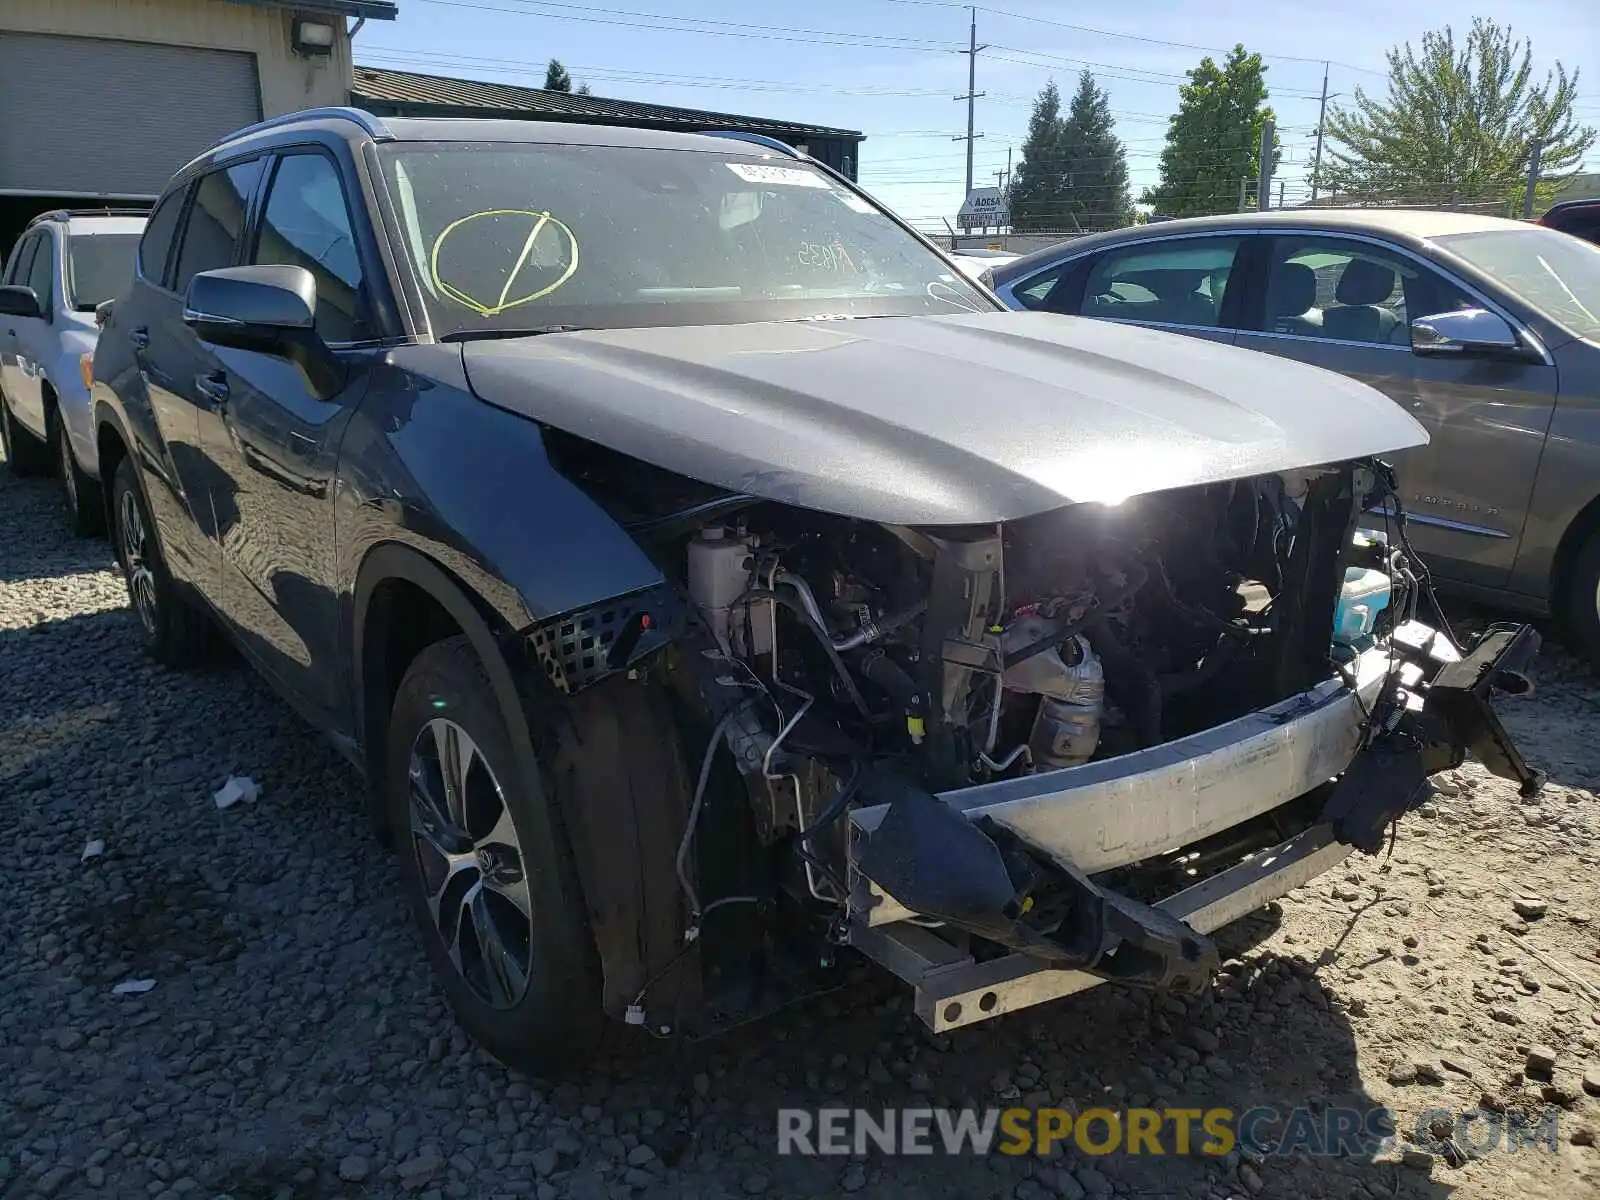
<point>1485,330</point>
<point>63,267</point>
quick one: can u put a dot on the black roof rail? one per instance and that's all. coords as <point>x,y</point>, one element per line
<point>760,139</point>
<point>371,125</point>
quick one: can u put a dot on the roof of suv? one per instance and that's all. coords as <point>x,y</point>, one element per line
<point>357,124</point>
<point>93,221</point>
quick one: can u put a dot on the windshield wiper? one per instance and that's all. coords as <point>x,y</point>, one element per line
<point>469,335</point>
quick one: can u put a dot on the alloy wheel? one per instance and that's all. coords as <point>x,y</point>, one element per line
<point>471,863</point>
<point>135,560</point>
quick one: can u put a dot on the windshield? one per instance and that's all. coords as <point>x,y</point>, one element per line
<point>100,266</point>
<point>1551,271</point>
<point>508,237</point>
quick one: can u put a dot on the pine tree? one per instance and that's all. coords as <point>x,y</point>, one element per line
<point>1035,185</point>
<point>556,78</point>
<point>1093,187</point>
<point>1213,139</point>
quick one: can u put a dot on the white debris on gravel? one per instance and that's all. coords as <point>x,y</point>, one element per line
<point>302,1048</point>
<point>93,848</point>
<point>133,987</point>
<point>238,787</point>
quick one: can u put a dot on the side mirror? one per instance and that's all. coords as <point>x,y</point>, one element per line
<point>268,309</point>
<point>19,300</point>
<point>1465,332</point>
<point>251,308</point>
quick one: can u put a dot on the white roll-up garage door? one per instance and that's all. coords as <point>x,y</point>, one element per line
<point>96,116</point>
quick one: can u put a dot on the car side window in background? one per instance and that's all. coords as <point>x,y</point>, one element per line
<point>1172,283</point>
<point>306,223</point>
<point>216,221</point>
<point>1034,291</point>
<point>1327,287</point>
<point>156,244</point>
<point>41,273</point>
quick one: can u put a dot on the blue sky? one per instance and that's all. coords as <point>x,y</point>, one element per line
<point>891,67</point>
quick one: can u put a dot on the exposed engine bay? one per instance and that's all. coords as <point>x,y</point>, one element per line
<point>847,668</point>
<point>975,654</point>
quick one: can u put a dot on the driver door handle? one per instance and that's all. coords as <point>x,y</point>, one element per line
<point>214,387</point>
<point>140,338</point>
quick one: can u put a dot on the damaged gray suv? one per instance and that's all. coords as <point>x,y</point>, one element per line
<point>714,586</point>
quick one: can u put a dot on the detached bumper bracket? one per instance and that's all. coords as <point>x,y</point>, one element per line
<point>1389,777</point>
<point>979,877</point>
<point>1458,700</point>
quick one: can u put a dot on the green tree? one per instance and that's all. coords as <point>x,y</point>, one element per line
<point>1035,184</point>
<point>1092,190</point>
<point>556,78</point>
<point>1214,139</point>
<point>1457,124</point>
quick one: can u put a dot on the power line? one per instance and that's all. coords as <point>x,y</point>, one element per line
<point>1132,37</point>
<point>732,29</point>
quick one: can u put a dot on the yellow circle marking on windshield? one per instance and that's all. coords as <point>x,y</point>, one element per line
<point>540,220</point>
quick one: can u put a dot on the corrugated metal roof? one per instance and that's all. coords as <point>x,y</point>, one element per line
<point>433,95</point>
<point>377,10</point>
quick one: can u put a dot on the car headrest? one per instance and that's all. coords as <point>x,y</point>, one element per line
<point>1364,282</point>
<point>1294,289</point>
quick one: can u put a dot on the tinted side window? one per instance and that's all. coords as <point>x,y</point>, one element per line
<point>41,276</point>
<point>306,223</point>
<point>1328,287</point>
<point>216,221</point>
<point>1033,291</point>
<point>22,260</point>
<point>1174,283</point>
<point>156,245</point>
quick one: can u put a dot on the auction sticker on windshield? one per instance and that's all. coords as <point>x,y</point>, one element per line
<point>782,176</point>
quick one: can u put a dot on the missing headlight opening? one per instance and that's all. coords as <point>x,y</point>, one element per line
<point>1007,761</point>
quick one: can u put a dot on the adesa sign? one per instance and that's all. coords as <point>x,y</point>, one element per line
<point>984,207</point>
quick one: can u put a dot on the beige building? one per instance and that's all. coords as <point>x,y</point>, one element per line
<point>104,99</point>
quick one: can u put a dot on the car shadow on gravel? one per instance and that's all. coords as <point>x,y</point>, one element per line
<point>1267,1035</point>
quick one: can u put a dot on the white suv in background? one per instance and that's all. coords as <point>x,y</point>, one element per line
<point>64,265</point>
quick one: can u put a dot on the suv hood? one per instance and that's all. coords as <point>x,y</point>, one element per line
<point>964,419</point>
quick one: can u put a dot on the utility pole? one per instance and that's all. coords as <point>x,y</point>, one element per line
<point>1264,169</point>
<point>972,92</point>
<point>1535,151</point>
<point>1322,112</point>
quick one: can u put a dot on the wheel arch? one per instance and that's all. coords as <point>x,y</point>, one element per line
<point>628,808</point>
<point>1577,533</point>
<point>112,444</point>
<point>404,599</point>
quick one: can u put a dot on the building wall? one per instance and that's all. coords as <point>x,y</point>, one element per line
<point>288,80</point>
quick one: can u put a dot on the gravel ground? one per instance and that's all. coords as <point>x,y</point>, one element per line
<point>293,1043</point>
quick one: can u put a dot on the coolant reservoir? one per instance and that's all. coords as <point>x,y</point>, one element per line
<point>1366,593</point>
<point>1071,688</point>
<point>719,573</point>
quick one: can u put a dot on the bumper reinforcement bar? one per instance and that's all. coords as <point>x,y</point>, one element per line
<point>953,990</point>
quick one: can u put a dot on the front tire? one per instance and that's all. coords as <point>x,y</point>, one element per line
<point>487,870</point>
<point>85,506</point>
<point>174,632</point>
<point>1581,604</point>
<point>25,454</point>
